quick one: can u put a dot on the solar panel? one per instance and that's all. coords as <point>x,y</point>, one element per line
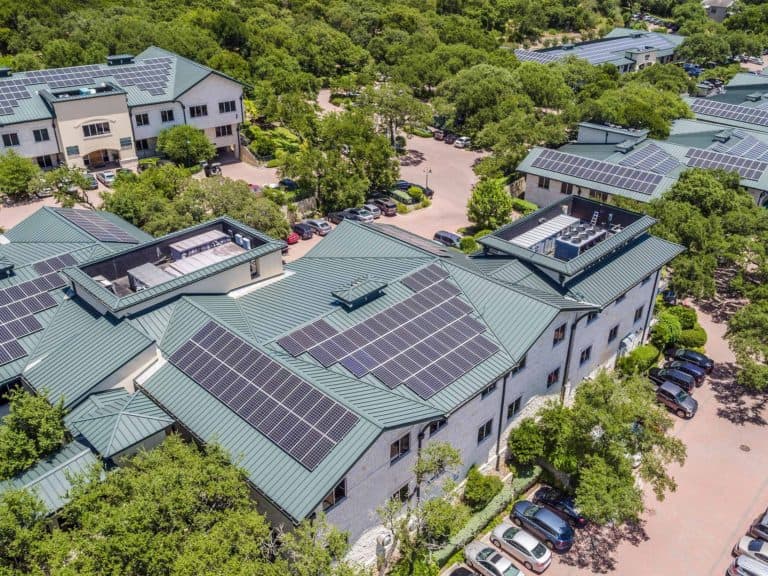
<point>748,147</point>
<point>299,341</point>
<point>540,57</point>
<point>298,418</point>
<point>746,168</point>
<point>651,158</point>
<point>425,277</point>
<point>96,225</point>
<point>54,264</point>
<point>598,171</point>
<point>723,110</point>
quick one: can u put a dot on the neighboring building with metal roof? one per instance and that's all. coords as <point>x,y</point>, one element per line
<point>628,49</point>
<point>324,379</point>
<point>605,161</point>
<point>718,10</point>
<point>103,115</point>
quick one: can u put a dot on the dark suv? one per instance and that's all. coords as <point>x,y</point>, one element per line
<point>661,375</point>
<point>693,357</point>
<point>304,231</point>
<point>387,206</point>
<point>677,400</point>
<point>542,522</point>
<point>697,372</point>
<point>561,504</point>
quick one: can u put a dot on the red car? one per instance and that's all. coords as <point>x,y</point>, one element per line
<point>292,238</point>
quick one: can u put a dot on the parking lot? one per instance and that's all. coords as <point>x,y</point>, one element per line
<point>722,488</point>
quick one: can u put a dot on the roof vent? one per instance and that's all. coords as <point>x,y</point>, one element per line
<point>754,97</point>
<point>626,146</point>
<point>359,292</point>
<point>5,72</point>
<point>637,34</point>
<point>723,135</point>
<point>119,59</point>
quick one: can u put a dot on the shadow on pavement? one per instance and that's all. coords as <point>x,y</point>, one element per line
<point>595,546</point>
<point>737,404</point>
<point>412,158</point>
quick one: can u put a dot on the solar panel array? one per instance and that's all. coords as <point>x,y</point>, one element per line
<point>301,340</point>
<point>746,114</point>
<point>96,225</point>
<point>540,57</point>
<point>294,415</point>
<point>425,277</point>
<point>604,50</point>
<point>18,305</point>
<point>652,159</point>
<point>746,168</point>
<point>748,147</point>
<point>598,171</point>
<point>150,75</point>
<point>54,264</point>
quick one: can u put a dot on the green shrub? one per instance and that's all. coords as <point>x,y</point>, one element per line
<point>442,519</point>
<point>526,442</point>
<point>639,360</point>
<point>686,315</point>
<point>426,203</point>
<point>523,206</point>
<point>402,208</point>
<point>279,196</point>
<point>418,131</point>
<point>480,489</point>
<point>468,245</point>
<point>666,331</point>
<point>482,233</point>
<point>275,163</point>
<point>416,193</point>
<point>694,337</point>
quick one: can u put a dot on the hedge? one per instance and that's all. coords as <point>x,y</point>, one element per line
<point>695,337</point>
<point>468,245</point>
<point>481,519</point>
<point>480,489</point>
<point>639,360</point>
<point>686,315</point>
<point>523,206</point>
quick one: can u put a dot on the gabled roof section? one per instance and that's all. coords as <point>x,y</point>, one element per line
<point>50,479</point>
<point>115,420</point>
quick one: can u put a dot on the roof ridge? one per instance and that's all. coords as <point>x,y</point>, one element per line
<point>61,464</point>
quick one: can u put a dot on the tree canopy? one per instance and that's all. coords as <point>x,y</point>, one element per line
<point>490,205</point>
<point>185,145</point>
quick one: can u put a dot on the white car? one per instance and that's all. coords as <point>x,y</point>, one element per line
<point>752,547</point>
<point>488,561</point>
<point>522,545</point>
<point>106,178</point>
<point>462,142</point>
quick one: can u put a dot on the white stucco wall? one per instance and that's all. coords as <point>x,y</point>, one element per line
<point>27,146</point>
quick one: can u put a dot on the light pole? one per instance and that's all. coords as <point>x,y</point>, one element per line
<point>427,172</point>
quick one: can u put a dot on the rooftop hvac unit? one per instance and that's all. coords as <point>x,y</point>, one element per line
<point>565,236</point>
<point>239,239</point>
<point>246,243</point>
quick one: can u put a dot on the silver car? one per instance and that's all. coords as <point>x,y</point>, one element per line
<point>320,226</point>
<point>488,561</point>
<point>746,566</point>
<point>373,209</point>
<point>752,547</point>
<point>522,545</point>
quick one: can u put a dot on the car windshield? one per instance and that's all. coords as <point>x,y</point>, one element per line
<point>363,212</point>
<point>511,571</point>
<point>681,396</point>
<point>539,550</point>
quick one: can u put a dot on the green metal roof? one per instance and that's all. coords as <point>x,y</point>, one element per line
<point>51,477</point>
<point>359,290</point>
<point>115,420</point>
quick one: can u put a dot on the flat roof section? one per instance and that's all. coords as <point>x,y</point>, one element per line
<point>544,231</point>
<point>203,259</point>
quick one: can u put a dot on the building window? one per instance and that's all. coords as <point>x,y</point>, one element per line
<point>613,333</point>
<point>514,407</point>
<point>73,151</point>
<point>98,129</point>
<point>599,196</point>
<point>566,188</point>
<point>11,139</point>
<point>520,365</point>
<point>553,377</point>
<point>142,145</point>
<point>41,135</point>
<point>543,182</point>
<point>586,354</point>
<point>223,131</point>
<point>336,495</point>
<point>638,313</point>
<point>484,431</point>
<point>559,334</point>
<point>142,119</point>
<point>44,161</point>
<point>228,106</point>
<point>645,280</point>
<point>166,115</point>
<point>402,494</point>
<point>400,448</point>
<point>488,391</point>
<point>197,111</point>
<point>126,142</point>
<point>620,299</point>
<point>592,316</point>
<point>436,426</point>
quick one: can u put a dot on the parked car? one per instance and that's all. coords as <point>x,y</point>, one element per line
<point>488,561</point>
<point>661,375</point>
<point>337,217</point>
<point>697,372</point>
<point>107,178</point>
<point>292,238</point>
<point>760,528</point>
<point>677,400</point>
<point>693,357</point>
<point>387,206</point>
<point>320,226</point>
<point>91,182</point>
<point>746,566</point>
<point>447,238</point>
<point>556,533</point>
<point>752,547</point>
<point>373,209</point>
<point>304,231</point>
<point>561,504</point>
<point>288,184</point>
<point>404,185</point>
<point>449,138</point>
<point>463,142</point>
<point>359,214</point>
<point>521,545</point>
<point>438,134</point>
<point>669,297</point>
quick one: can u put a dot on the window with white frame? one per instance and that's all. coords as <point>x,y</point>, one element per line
<point>484,431</point>
<point>11,139</point>
<point>437,425</point>
<point>514,407</point>
<point>543,182</point>
<point>585,355</point>
<point>559,334</point>
<point>198,111</point>
<point>402,494</point>
<point>97,129</point>
<point>613,333</point>
<point>488,390</point>
<point>400,448</point>
<point>553,377</point>
<point>166,115</point>
<point>336,495</point>
<point>41,135</point>
<point>638,313</point>
<point>520,365</point>
<point>228,106</point>
<point>142,119</point>
<point>223,131</point>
